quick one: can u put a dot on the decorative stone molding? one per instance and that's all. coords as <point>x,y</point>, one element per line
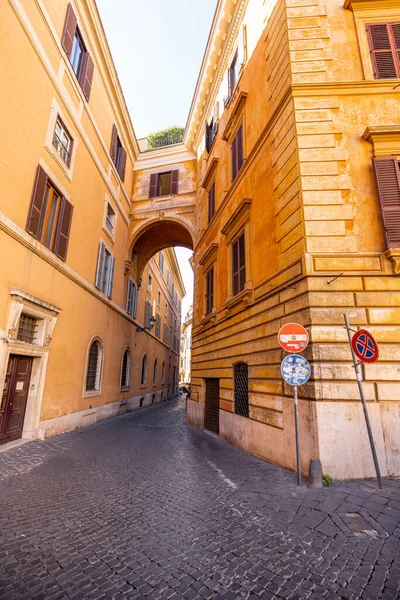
<point>386,139</point>
<point>209,256</point>
<point>237,220</point>
<point>235,117</point>
<point>393,254</point>
<point>209,173</point>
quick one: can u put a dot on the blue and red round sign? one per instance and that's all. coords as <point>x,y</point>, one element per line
<point>365,346</point>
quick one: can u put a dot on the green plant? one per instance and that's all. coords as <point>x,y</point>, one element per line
<point>327,480</point>
<point>165,137</point>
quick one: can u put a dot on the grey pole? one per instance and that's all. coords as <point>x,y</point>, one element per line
<point>364,405</point>
<point>296,423</point>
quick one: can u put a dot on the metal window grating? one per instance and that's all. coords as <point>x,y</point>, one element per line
<point>125,370</point>
<point>27,329</point>
<point>91,375</point>
<point>241,373</point>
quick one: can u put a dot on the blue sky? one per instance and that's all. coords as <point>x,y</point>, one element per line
<point>157,47</point>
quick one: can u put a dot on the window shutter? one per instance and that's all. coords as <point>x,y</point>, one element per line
<point>242,263</point>
<point>100,265</point>
<point>113,147</point>
<point>86,75</point>
<point>37,203</point>
<point>234,158</point>
<point>207,137</point>
<point>69,30</point>
<point>384,44</point>
<point>387,175</point>
<point>122,164</point>
<point>242,47</point>
<point>128,307</point>
<point>134,300</point>
<point>63,229</point>
<point>231,79</point>
<point>174,181</point>
<point>153,185</point>
<point>235,268</point>
<point>111,277</point>
<point>239,148</point>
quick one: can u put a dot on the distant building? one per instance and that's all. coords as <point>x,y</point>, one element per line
<point>186,347</point>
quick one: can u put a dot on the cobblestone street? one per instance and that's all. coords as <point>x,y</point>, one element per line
<point>141,506</point>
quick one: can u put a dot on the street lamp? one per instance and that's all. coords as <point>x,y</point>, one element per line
<point>150,326</point>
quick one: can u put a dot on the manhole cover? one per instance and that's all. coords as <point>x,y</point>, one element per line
<point>357,524</point>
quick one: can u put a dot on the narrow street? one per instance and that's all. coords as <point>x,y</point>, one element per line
<point>142,506</point>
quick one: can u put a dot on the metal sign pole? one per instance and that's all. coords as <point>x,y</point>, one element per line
<point>296,423</point>
<point>364,405</point>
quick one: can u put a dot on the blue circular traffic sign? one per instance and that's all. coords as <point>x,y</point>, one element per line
<point>295,369</point>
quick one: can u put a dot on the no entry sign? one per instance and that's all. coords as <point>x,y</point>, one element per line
<point>365,346</point>
<point>293,337</point>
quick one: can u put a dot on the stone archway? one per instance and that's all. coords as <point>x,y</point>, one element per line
<point>156,235</point>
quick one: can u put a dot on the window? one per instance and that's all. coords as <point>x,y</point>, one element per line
<point>164,184</point>
<point>237,153</point>
<point>241,378</point>
<point>165,337</point>
<point>110,218</point>
<point>80,59</point>
<point>233,73</point>
<point>155,372</point>
<point>27,329</point>
<point>50,215</point>
<point>238,60</point>
<point>159,298</point>
<point>163,372</point>
<point>149,283</point>
<point>118,153</point>
<point>143,375</point>
<point>158,326</point>
<point>105,270</point>
<point>211,202</point>
<point>212,128</point>
<point>62,142</point>
<point>161,262</point>
<point>148,313</point>
<point>387,173</point>
<point>209,290</point>
<point>94,365</point>
<point>126,369</point>
<point>238,265</point>
<point>173,291</point>
<point>131,298</point>
<point>168,275</point>
<point>384,44</point>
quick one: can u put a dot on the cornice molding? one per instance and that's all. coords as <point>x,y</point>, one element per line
<point>346,88</point>
<point>210,172</point>
<point>209,255</point>
<point>370,4</point>
<point>151,159</point>
<point>385,139</point>
<point>235,116</point>
<point>239,217</point>
<point>176,270</point>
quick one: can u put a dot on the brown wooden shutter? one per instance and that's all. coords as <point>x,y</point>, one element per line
<point>69,30</point>
<point>37,203</point>
<point>231,79</point>
<point>122,164</point>
<point>153,185</point>
<point>234,158</point>
<point>174,181</point>
<point>86,75</point>
<point>387,175</point>
<point>114,141</point>
<point>235,268</point>
<point>384,44</point>
<point>242,263</point>
<point>63,229</point>
<point>239,148</point>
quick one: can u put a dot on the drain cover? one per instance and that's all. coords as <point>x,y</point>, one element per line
<point>357,524</point>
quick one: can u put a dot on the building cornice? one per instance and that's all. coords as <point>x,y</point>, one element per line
<point>167,155</point>
<point>370,4</point>
<point>176,270</point>
<point>385,139</point>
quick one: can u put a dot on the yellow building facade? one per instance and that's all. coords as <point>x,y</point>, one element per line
<point>287,188</point>
<point>78,343</point>
<point>297,104</point>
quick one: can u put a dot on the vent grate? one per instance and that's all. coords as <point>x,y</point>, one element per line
<point>357,524</point>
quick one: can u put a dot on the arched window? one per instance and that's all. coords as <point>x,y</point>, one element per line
<point>163,372</point>
<point>241,374</point>
<point>94,367</point>
<point>155,372</point>
<point>126,369</point>
<point>143,376</point>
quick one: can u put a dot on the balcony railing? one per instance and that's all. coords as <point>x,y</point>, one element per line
<point>166,140</point>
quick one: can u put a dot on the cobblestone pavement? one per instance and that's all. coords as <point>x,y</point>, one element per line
<point>141,506</point>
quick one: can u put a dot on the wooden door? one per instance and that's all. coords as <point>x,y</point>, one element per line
<point>211,415</point>
<point>15,395</point>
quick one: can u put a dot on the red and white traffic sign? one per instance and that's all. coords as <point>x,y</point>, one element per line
<point>365,346</point>
<point>293,337</point>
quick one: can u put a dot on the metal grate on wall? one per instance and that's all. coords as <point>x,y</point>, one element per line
<point>241,374</point>
<point>91,375</point>
<point>27,329</point>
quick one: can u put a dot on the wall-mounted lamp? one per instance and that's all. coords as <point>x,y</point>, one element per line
<point>150,326</point>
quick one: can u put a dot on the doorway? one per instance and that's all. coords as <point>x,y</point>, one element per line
<point>211,414</point>
<point>14,398</point>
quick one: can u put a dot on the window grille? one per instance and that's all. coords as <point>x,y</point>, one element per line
<point>125,369</point>
<point>241,374</point>
<point>155,371</point>
<point>143,376</point>
<point>27,329</point>
<point>92,368</point>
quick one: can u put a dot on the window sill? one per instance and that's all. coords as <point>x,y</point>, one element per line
<point>143,386</point>
<point>110,234</point>
<point>209,319</point>
<point>124,389</point>
<point>245,297</point>
<point>91,394</point>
